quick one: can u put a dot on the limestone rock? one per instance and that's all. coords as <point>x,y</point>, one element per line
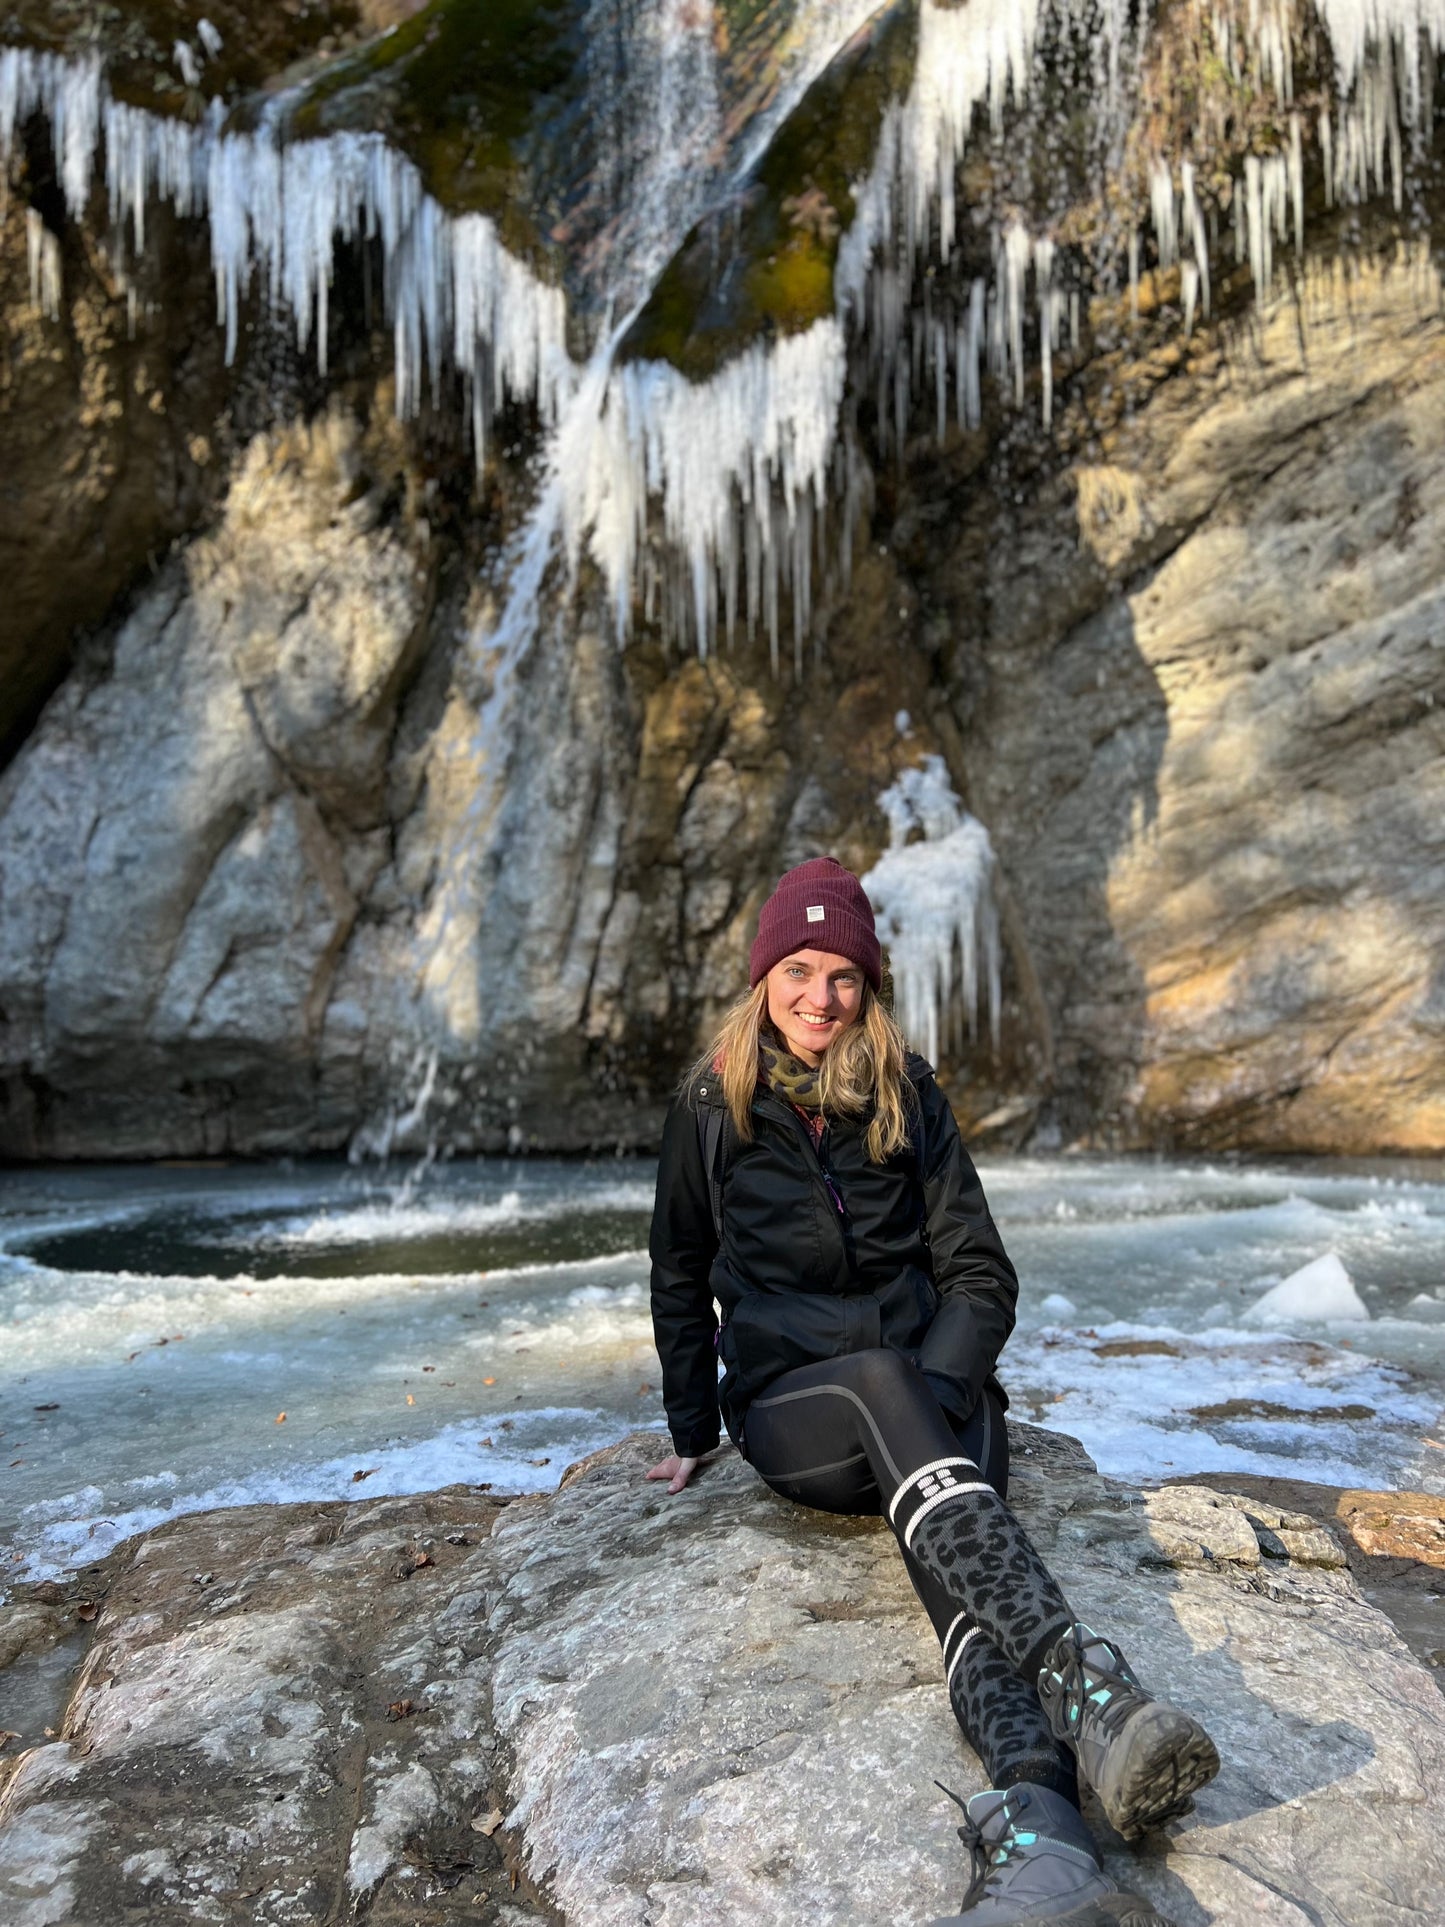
<point>301,855</point>
<point>707,1709</point>
<point>188,835</point>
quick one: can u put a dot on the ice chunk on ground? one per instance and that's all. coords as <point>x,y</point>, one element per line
<point>1322,1289</point>
<point>1056,1305</point>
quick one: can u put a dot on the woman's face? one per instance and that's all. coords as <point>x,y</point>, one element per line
<point>813,996</point>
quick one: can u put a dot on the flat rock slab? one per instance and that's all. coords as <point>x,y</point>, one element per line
<point>611,1706</point>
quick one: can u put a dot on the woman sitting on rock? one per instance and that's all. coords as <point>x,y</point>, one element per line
<point>813,1183</point>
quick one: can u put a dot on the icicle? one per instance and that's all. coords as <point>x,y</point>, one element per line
<point>43,255</point>
<point>1017,252</point>
<point>1161,202</point>
<point>974,348</point>
<point>1044,270</point>
<point>1194,221</point>
<point>1189,289</point>
<point>1296,167</point>
<point>934,899</point>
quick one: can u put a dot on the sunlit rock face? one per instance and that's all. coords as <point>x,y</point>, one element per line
<point>620,445</point>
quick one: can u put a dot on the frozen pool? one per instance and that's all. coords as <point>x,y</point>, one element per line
<point>487,1321</point>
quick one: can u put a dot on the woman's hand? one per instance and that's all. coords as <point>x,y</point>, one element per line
<point>676,1471</point>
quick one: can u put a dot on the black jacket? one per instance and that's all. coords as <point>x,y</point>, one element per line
<point>912,1262</point>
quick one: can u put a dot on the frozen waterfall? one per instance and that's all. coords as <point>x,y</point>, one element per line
<point>933,892</point>
<point>749,476</point>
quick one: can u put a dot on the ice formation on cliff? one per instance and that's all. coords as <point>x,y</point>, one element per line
<point>742,471</point>
<point>933,892</point>
<point>279,209</point>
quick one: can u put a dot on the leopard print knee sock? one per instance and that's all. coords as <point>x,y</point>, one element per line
<point>1000,1715</point>
<point>958,1528</point>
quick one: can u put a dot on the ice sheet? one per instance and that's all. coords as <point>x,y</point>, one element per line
<point>1138,1279</point>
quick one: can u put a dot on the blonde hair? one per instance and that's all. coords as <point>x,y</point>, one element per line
<point>864,1067</point>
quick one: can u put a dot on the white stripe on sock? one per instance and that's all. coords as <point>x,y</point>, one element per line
<point>937,1465</point>
<point>948,1492</point>
<point>973,1633</point>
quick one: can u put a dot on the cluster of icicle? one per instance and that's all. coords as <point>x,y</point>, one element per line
<point>741,466</point>
<point>738,472</point>
<point>933,892</point>
<point>278,211</point>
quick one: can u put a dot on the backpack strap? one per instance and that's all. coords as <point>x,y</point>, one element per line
<point>712,1123</point>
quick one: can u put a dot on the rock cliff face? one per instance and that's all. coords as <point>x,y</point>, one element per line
<point>607,1706</point>
<point>302,853</point>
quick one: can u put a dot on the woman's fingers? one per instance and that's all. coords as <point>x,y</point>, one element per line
<point>675,1470</point>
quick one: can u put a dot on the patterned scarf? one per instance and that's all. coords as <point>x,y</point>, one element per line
<point>795,1082</point>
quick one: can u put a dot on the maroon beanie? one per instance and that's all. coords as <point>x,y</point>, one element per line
<point>818,906</point>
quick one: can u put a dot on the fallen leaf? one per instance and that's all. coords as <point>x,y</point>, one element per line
<point>357,1477</point>
<point>485,1486</point>
<point>48,1408</point>
<point>401,1709</point>
<point>486,1823</point>
<point>507,1424</point>
<point>130,1356</point>
<point>484,1302</point>
<point>643,1388</point>
<point>15,1462</point>
<point>50,1732</point>
<point>541,1461</point>
<point>176,1337</point>
<point>163,1341</point>
<point>514,1880</point>
<point>409,1399</point>
<point>458,1539</point>
<point>280,1418</point>
<point>87,1610</point>
<point>413,1561</point>
<point>1438,1444</point>
<point>428,1368</point>
<point>6,1738</point>
<point>485,1441</point>
<point>489,1381</point>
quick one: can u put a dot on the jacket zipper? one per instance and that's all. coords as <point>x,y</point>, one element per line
<point>825,1179</point>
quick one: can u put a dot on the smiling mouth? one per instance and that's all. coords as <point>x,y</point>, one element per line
<point>816,1023</point>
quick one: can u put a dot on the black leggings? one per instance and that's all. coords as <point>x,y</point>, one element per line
<point>864,1433</point>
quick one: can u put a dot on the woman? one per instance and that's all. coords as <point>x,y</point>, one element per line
<point>814,1184</point>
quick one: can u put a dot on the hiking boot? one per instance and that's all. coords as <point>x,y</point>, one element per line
<point>1143,1759</point>
<point>1034,1859</point>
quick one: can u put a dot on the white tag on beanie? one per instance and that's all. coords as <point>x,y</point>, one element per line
<point>815,913</point>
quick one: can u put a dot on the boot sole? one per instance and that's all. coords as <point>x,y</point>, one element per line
<point>1158,1763</point>
<point>1115,1910</point>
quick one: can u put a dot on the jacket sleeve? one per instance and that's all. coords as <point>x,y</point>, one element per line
<point>683,1245</point>
<point>977,1285</point>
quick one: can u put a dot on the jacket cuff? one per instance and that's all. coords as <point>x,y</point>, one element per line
<point>693,1444</point>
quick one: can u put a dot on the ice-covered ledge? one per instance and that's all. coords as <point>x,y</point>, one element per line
<point>711,1709</point>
